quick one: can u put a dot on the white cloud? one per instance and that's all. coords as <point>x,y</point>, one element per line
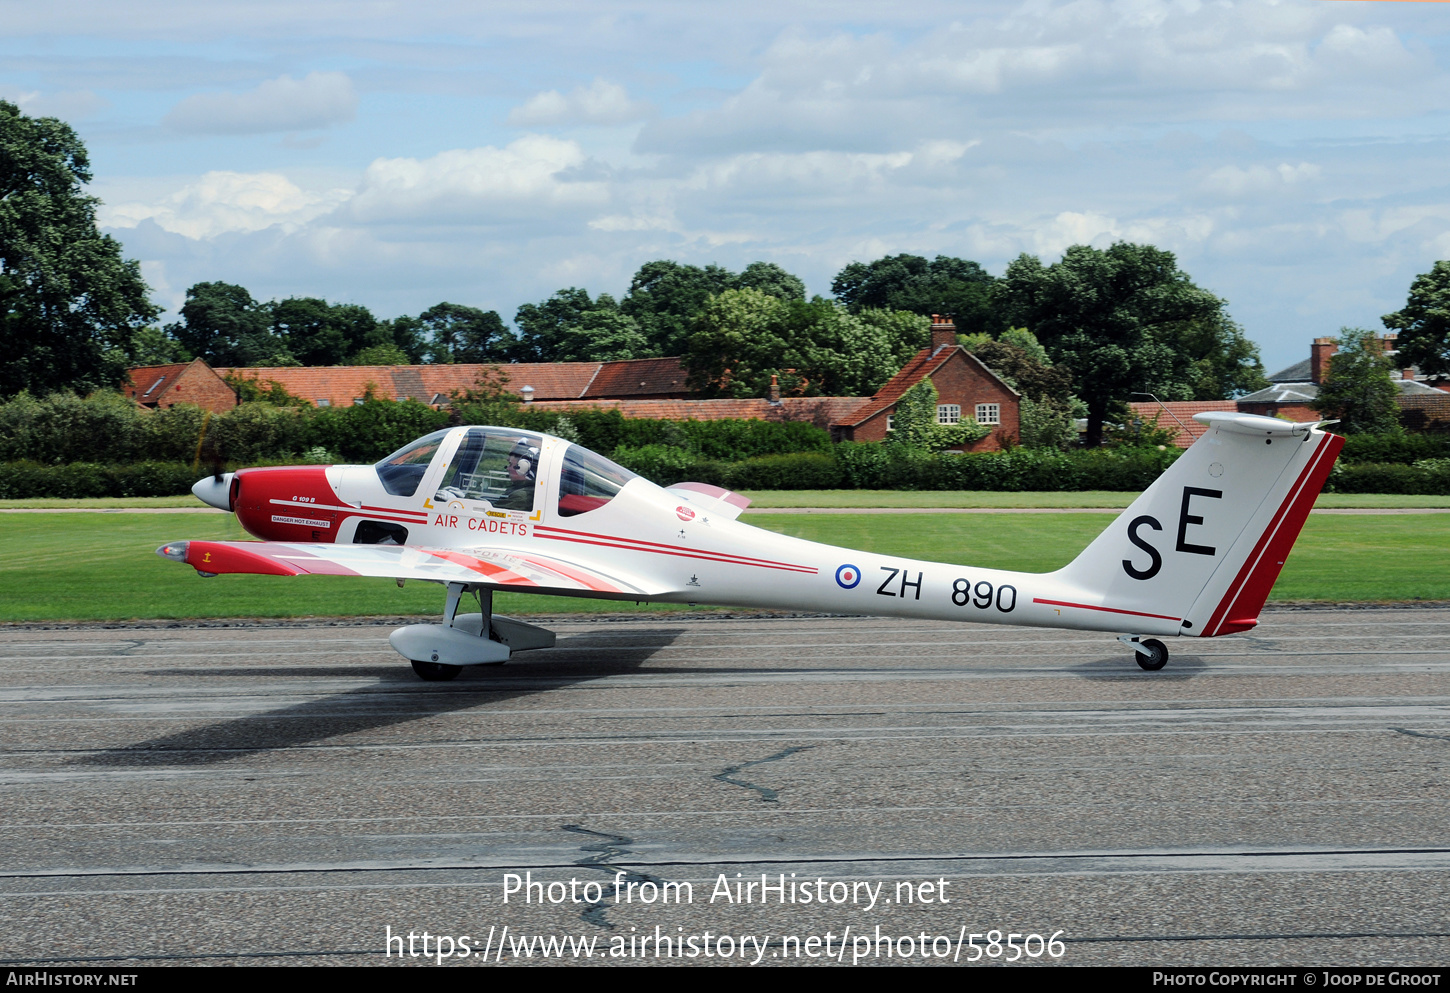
<point>1235,183</point>
<point>318,100</point>
<point>68,105</point>
<point>223,202</point>
<point>477,185</point>
<point>601,102</point>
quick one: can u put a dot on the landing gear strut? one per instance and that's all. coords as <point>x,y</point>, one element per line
<point>1151,653</point>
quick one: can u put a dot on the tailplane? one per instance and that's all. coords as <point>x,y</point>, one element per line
<point>1207,540</point>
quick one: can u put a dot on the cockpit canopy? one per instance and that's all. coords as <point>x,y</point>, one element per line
<point>500,466</point>
<point>402,471</point>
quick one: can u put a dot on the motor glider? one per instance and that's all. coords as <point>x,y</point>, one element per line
<point>479,509</point>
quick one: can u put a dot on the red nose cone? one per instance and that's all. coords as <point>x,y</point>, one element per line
<point>288,503</point>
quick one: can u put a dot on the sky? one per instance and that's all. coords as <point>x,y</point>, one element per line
<point>1292,154</point>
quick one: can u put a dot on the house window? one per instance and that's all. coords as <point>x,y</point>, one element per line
<point>989,413</point>
<point>890,422</point>
<point>358,401</point>
<point>324,402</point>
<point>949,413</point>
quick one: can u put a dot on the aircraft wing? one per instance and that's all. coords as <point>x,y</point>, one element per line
<point>507,568</point>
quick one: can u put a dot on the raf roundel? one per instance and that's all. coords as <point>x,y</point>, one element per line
<point>847,576</point>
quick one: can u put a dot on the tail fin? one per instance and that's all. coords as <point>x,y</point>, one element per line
<point>1206,541</point>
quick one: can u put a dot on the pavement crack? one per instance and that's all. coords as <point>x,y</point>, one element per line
<point>1420,734</point>
<point>767,795</point>
<point>607,851</point>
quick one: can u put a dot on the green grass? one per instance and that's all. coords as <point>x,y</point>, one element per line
<point>111,503</point>
<point>103,567</point>
<point>771,499</point>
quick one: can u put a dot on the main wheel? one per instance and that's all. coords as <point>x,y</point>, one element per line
<point>436,672</point>
<point>1157,657</point>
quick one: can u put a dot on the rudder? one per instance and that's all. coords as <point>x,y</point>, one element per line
<point>1207,540</point>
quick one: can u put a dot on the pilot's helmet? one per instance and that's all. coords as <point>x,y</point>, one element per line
<point>528,456</point>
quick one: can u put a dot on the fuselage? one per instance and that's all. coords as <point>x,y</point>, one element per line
<point>659,542</point>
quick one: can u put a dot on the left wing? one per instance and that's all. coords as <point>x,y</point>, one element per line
<point>479,565</point>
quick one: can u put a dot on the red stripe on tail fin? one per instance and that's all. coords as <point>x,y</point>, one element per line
<point>1240,606</point>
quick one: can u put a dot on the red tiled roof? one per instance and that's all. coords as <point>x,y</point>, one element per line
<point>342,384</point>
<point>550,380</point>
<point>637,377</point>
<point>1178,415</point>
<point>148,381</point>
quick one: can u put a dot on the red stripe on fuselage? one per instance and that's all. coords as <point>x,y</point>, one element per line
<point>639,545</point>
<point>1110,610</point>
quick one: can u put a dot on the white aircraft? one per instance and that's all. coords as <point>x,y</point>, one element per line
<point>479,509</point>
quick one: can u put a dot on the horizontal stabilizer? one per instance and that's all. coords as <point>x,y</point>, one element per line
<point>712,499</point>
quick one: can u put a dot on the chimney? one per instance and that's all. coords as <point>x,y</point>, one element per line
<point>1319,355</point>
<point>774,395</point>
<point>943,332</point>
<point>528,394</point>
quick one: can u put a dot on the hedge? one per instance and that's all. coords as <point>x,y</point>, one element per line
<point>1429,477</point>
<point>1396,446</point>
<point>64,428</point>
<point>32,480</point>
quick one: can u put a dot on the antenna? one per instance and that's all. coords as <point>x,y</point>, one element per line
<point>1139,393</point>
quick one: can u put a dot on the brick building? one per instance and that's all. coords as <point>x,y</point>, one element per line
<point>965,388</point>
<point>194,382</point>
<point>1292,390</point>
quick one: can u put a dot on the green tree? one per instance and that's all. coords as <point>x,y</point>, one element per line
<point>945,285</point>
<point>1424,324</point>
<point>410,337</point>
<point>603,334</point>
<point>388,354</point>
<point>457,333</point>
<point>769,278</point>
<point>816,348</point>
<point>221,323</point>
<point>322,333</point>
<point>1112,318</point>
<point>153,346</point>
<point>70,305</point>
<point>1212,358</point>
<point>1360,388</point>
<point>1046,412</point>
<point>570,327</point>
<point>665,296</point>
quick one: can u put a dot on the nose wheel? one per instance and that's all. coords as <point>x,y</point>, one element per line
<point>1155,658</point>
<point>1151,653</point>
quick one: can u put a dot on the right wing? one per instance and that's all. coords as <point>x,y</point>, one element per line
<point>507,568</point>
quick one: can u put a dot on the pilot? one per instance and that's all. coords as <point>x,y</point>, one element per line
<point>523,461</point>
